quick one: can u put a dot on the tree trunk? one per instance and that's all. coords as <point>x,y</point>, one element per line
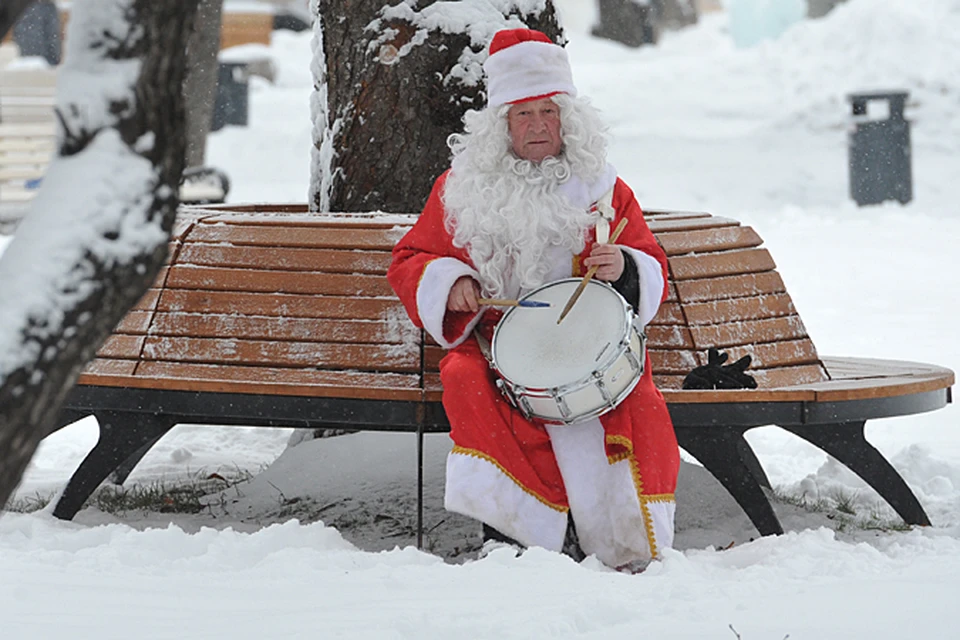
<point>627,22</point>
<point>10,12</point>
<point>200,88</point>
<point>77,264</point>
<point>390,88</point>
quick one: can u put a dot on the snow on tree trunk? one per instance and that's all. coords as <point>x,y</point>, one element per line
<point>96,234</point>
<point>392,81</point>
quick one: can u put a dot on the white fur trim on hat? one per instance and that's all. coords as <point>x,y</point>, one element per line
<point>527,70</point>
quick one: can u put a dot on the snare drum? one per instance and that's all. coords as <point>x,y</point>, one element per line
<point>580,369</point>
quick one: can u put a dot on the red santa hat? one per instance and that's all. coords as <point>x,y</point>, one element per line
<point>526,65</point>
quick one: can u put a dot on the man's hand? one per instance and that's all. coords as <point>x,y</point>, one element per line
<point>463,295</point>
<point>609,259</point>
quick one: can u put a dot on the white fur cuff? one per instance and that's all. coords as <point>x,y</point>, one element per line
<point>432,293</point>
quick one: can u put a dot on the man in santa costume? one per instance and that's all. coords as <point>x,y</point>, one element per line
<point>529,199</point>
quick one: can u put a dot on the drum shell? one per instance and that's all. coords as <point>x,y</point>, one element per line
<point>592,394</point>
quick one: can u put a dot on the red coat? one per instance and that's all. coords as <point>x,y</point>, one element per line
<point>484,424</point>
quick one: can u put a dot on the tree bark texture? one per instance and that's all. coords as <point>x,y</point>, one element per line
<point>65,338</point>
<point>392,101</point>
<point>10,12</point>
<point>200,88</point>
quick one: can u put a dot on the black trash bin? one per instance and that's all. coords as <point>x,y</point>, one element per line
<point>880,165</point>
<point>232,104</point>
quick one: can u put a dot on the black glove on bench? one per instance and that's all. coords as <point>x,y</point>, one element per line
<point>716,375</point>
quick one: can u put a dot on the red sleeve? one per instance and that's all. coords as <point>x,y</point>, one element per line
<point>427,240</point>
<point>637,234</point>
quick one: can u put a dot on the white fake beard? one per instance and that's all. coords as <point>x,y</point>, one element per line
<point>509,220</point>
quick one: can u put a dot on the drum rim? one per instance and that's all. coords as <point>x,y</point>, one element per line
<point>605,363</point>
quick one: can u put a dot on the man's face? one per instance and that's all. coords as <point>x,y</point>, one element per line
<point>535,129</point>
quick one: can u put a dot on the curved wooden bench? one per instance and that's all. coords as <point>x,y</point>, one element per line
<point>267,315</point>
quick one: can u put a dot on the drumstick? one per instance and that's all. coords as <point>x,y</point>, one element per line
<point>590,272</point>
<point>500,302</point>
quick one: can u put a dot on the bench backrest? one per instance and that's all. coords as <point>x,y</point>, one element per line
<point>270,299</point>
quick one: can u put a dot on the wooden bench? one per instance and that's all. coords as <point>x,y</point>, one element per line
<point>267,315</point>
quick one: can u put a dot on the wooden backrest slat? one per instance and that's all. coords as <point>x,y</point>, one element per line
<point>677,243</point>
<point>661,225</point>
<point>311,283</point>
<point>726,263</point>
<point>669,337</point>
<point>120,346</point>
<point>673,361</point>
<point>281,305</point>
<point>135,322</point>
<point>737,309</point>
<point>210,325</point>
<point>315,238</point>
<point>669,313</point>
<point>785,353</point>
<point>739,286</point>
<point>282,354</point>
<point>285,259</point>
<point>748,332</point>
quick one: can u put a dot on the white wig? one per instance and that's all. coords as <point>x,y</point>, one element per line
<point>507,211</point>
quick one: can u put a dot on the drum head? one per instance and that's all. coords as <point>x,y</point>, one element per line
<point>530,349</point>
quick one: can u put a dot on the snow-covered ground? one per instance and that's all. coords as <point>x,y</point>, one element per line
<point>758,135</point>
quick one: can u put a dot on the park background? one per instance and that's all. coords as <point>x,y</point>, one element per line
<point>754,133</point>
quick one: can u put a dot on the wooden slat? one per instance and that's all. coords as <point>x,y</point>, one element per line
<point>333,284</point>
<point>666,361</point>
<point>748,332</point>
<point>775,354</point>
<point>277,376</point>
<point>663,381</point>
<point>669,337</point>
<point>841,368</point>
<point>669,313</point>
<point>789,376</point>
<point>285,259</point>
<point>432,356</point>
<point>283,305</point>
<point>278,236</point>
<point>658,225</point>
<point>211,325</point>
<point>727,263</point>
<point>121,346</point>
<point>135,322</point>
<point>109,367</point>
<point>749,284</point>
<point>365,357</point>
<point>737,309</point>
<point>148,301</point>
<point>709,240</point>
<point>296,216</point>
<point>335,389</point>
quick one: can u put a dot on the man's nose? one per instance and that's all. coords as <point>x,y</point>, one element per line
<point>538,123</point>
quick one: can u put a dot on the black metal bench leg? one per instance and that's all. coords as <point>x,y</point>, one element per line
<point>846,442</point>
<point>420,485</point>
<point>724,453</point>
<point>121,436</point>
<point>120,474</point>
